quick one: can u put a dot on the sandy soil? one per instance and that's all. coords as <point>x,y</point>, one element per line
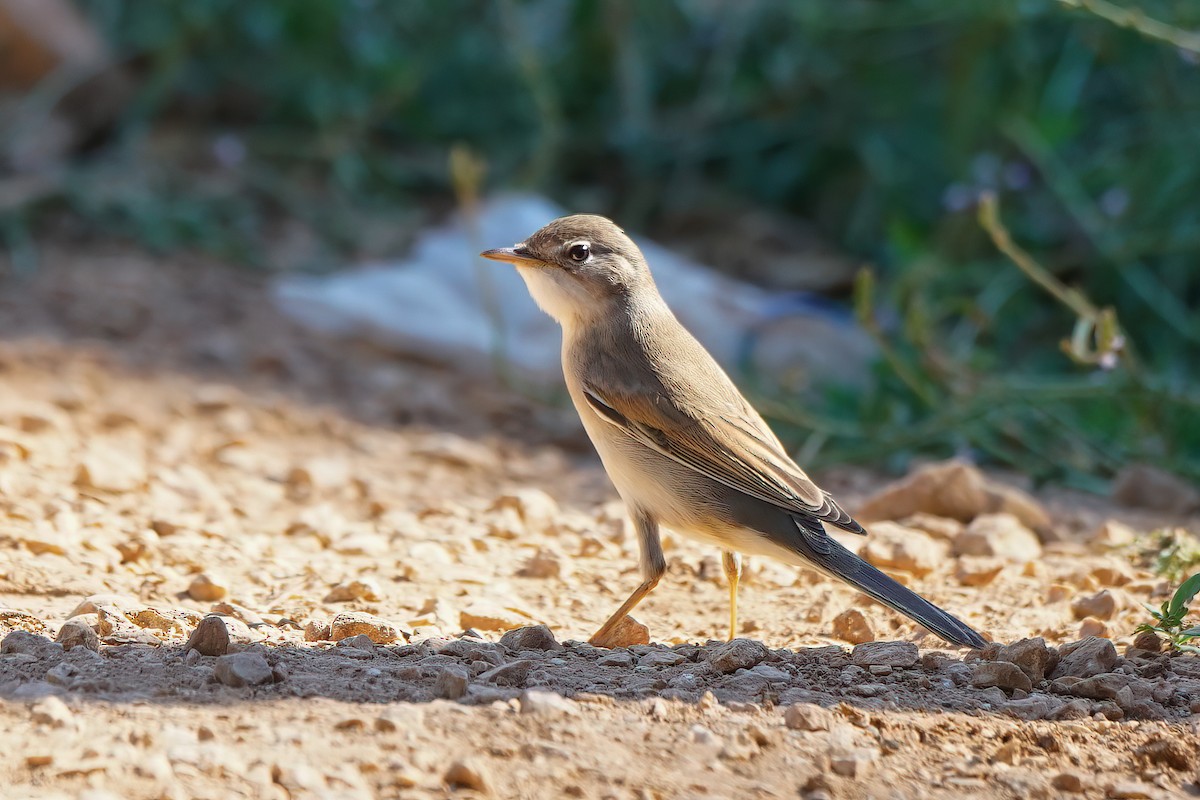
<point>369,529</point>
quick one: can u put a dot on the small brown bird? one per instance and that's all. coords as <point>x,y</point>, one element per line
<point>681,444</point>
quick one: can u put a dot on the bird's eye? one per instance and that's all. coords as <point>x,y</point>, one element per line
<point>579,252</point>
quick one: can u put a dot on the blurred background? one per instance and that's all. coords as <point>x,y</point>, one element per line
<point>842,149</point>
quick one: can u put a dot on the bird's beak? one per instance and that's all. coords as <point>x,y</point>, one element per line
<point>513,255</point>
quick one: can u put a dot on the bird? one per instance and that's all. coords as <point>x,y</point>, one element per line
<point>682,446</point>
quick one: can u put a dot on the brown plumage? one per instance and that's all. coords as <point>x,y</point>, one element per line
<point>681,444</point>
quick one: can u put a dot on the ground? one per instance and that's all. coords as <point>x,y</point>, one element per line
<point>170,447</point>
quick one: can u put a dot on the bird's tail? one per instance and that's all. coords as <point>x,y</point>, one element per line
<point>835,560</point>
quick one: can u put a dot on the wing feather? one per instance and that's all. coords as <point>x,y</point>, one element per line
<point>734,448</point>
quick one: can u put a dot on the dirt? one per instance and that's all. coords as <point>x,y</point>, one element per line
<point>169,447</point>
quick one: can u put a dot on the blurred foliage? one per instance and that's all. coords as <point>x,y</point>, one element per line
<point>880,120</point>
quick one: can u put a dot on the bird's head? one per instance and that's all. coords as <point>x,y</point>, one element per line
<point>578,266</point>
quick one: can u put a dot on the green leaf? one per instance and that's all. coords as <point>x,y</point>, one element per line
<point>1184,594</point>
<point>1191,633</point>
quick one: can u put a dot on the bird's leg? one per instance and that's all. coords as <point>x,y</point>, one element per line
<point>654,565</point>
<point>732,563</point>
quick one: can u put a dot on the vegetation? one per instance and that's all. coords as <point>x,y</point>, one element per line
<point>1169,618</point>
<point>882,122</point>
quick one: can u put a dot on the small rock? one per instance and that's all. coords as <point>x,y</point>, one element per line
<point>1031,655</point>
<point>660,658</point>
<point>536,701</point>
<point>1144,486</point>
<point>1166,751</point>
<point>1102,605</point>
<point>512,674</point>
<point>53,712</point>
<point>487,616</point>
<point>206,589</point>
<point>536,509</point>
<point>451,682</point>
<point>618,658</point>
<point>1085,658</point>
<point>892,654</point>
<point>955,490</point>
<point>1068,782</point>
<point>358,642</point>
<point>978,570</point>
<point>360,589</point>
<point>893,547</point>
<point>216,634</point>
<point>317,630</point>
<point>627,633</point>
<point>77,633</point>
<point>807,717</point>
<point>1112,533</point>
<point>543,564</point>
<point>942,528</point>
<point>851,626</point>
<point>1000,535</point>
<point>1133,790</point>
<point>737,654</point>
<point>1090,626</point>
<point>531,637</point>
<point>1148,641</point>
<point>353,623</point>
<point>468,773</point>
<point>853,763</point>
<point>1036,706</point>
<point>243,669</point>
<point>1002,674</point>
<point>92,603</point>
<point>24,642</point>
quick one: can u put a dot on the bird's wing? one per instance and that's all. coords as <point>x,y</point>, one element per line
<point>733,446</point>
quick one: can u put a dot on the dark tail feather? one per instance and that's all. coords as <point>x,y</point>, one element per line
<point>831,557</point>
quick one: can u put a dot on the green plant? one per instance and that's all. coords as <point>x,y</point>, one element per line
<point>1169,618</point>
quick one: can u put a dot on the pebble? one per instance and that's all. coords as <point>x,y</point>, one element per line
<point>617,658</point>
<point>1085,658</point>
<point>451,682</point>
<point>243,669</point>
<point>891,654</point>
<point>1133,790</point>
<point>737,654</point>
<point>544,563</point>
<point>852,626</point>
<point>1112,533</point>
<point>660,658</point>
<point>530,637</point>
<point>1031,655</point>
<point>31,644</point>
<point>207,589</point>
<point>955,490</point>
<point>807,717</point>
<point>92,603</point>
<point>513,673</point>
<point>1102,605</point>
<point>853,763</point>
<point>358,589</point>
<point>1068,782</point>
<point>1001,536</point>
<point>1090,626</point>
<point>216,634</point>
<point>1144,486</point>
<point>468,773</point>
<point>353,623</point>
<point>488,616</point>
<point>358,642</point>
<point>894,547</point>
<point>77,633</point>
<point>537,701</point>
<point>1000,674</point>
<point>627,633</point>
<point>978,570</point>
<point>317,630</point>
<point>53,712</point>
